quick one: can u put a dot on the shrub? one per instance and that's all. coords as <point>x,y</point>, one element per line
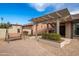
<point>55,36</point>
<point>45,35</point>
<point>51,36</point>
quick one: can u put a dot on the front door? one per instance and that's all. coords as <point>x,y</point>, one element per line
<point>62,30</point>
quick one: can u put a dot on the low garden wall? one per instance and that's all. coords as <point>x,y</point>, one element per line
<point>2,34</point>
<point>54,39</point>
<point>56,44</point>
<point>65,41</point>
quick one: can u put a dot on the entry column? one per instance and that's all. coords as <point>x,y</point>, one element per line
<point>58,26</point>
<point>47,28</point>
<point>36,31</point>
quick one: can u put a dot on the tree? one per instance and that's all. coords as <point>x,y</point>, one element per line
<point>8,25</point>
<point>4,25</point>
<point>2,19</point>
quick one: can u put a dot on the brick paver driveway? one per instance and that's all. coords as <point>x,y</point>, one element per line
<point>31,47</point>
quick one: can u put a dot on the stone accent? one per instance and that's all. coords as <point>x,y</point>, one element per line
<point>65,42</point>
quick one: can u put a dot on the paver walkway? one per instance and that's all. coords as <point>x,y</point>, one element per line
<point>32,47</point>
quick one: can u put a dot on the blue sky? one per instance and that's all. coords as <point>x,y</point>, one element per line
<point>21,13</point>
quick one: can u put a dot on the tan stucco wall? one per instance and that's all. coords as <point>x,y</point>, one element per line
<point>13,29</point>
<point>28,30</point>
<point>68,30</point>
<point>40,28</point>
<point>2,34</point>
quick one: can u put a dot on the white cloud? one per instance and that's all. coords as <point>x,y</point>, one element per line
<point>73,8</point>
<point>39,6</point>
<point>42,6</point>
<point>74,12</point>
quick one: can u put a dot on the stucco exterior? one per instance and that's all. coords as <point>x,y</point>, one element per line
<point>27,30</point>
<point>2,34</point>
<point>40,28</point>
<point>68,30</point>
<point>13,29</point>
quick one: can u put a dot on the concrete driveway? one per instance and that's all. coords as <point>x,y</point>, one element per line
<point>31,47</point>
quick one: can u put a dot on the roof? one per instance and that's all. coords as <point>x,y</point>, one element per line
<point>27,25</point>
<point>62,15</point>
<point>76,16</point>
<point>16,25</point>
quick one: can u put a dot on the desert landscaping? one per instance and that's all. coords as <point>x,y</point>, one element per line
<point>31,47</point>
<point>52,33</point>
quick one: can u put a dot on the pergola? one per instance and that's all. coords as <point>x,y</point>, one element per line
<point>56,17</point>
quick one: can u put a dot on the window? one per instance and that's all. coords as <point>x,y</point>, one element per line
<point>77,29</point>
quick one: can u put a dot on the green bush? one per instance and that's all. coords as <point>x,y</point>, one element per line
<point>55,36</point>
<point>45,35</point>
<point>51,36</point>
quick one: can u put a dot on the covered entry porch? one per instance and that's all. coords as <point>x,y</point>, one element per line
<point>65,29</point>
<point>59,22</point>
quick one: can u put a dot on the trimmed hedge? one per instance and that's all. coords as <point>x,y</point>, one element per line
<point>51,36</point>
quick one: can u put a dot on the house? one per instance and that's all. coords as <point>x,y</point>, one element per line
<point>15,28</point>
<point>13,31</point>
<point>61,22</point>
<point>27,28</point>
